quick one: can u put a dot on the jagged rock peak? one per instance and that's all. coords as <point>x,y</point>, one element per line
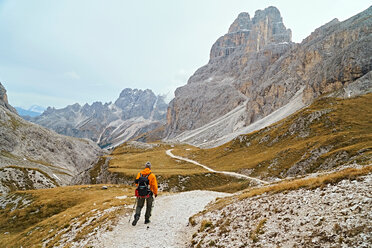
<point>4,100</point>
<point>252,35</point>
<point>135,92</point>
<point>271,13</point>
<point>242,23</point>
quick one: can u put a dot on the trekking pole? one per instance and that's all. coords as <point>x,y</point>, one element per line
<point>134,206</point>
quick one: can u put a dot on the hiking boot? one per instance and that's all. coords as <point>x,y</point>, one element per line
<point>147,221</point>
<point>135,220</point>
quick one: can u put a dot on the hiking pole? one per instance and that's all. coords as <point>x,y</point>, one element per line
<point>134,206</point>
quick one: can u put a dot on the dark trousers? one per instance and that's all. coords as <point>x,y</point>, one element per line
<point>141,203</point>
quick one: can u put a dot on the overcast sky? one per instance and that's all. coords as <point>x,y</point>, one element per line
<point>59,52</point>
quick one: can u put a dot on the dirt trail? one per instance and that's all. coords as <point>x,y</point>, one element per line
<point>169,153</point>
<point>169,220</point>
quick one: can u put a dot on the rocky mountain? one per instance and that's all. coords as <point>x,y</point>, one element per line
<point>135,112</point>
<point>256,72</point>
<point>34,157</point>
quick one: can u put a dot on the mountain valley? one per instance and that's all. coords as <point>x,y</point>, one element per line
<point>268,145</point>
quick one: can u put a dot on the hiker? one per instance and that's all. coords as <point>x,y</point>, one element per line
<point>147,187</point>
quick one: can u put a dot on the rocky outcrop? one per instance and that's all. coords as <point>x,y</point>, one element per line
<point>257,65</point>
<point>4,100</point>
<point>50,158</point>
<point>135,112</point>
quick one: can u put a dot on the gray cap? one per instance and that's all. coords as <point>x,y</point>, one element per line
<point>148,165</point>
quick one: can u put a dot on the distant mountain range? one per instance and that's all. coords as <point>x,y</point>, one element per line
<point>33,111</point>
<point>33,157</point>
<point>135,112</point>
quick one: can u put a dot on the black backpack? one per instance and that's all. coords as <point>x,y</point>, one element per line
<point>143,185</point>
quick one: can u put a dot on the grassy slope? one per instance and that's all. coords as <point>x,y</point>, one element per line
<point>329,133</point>
<point>176,175</point>
<point>49,213</point>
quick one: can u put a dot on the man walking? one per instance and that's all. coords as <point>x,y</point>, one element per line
<point>147,187</point>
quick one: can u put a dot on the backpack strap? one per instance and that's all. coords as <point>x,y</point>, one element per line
<point>148,175</point>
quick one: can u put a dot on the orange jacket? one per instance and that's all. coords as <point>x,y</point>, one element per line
<point>152,180</point>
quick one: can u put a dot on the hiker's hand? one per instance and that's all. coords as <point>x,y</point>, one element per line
<point>156,195</point>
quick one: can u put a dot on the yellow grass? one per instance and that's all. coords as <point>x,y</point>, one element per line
<point>53,212</point>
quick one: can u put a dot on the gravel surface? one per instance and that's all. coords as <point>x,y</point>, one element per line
<point>331,216</point>
<point>168,223</point>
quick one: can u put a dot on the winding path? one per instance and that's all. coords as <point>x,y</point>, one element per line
<point>168,227</point>
<point>169,153</point>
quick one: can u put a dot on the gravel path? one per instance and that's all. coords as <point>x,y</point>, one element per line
<point>169,153</point>
<point>169,218</point>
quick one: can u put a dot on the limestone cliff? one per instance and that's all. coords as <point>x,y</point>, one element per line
<point>215,89</point>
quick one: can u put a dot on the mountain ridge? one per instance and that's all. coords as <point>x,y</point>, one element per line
<point>135,112</point>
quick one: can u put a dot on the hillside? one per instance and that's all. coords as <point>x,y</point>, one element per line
<point>326,211</point>
<point>59,216</point>
<point>323,136</point>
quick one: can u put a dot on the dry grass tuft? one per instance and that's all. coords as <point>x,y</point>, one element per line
<point>258,230</point>
<point>205,224</point>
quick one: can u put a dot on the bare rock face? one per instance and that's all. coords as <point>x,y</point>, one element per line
<point>215,89</point>
<point>135,112</point>
<point>252,35</point>
<point>256,64</point>
<point>4,100</point>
